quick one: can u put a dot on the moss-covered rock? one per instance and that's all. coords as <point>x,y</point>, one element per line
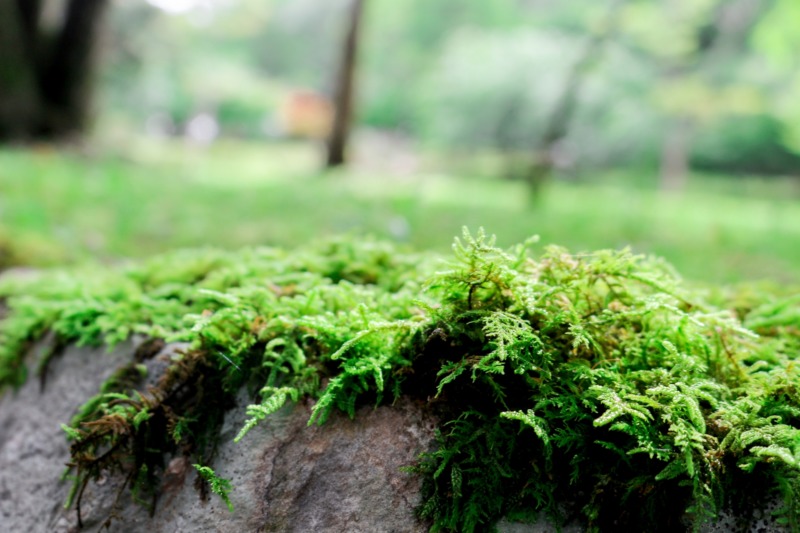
<point>593,385</point>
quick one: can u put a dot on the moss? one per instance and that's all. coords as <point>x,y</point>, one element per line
<point>591,385</point>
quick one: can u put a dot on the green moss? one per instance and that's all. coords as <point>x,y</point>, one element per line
<point>589,385</point>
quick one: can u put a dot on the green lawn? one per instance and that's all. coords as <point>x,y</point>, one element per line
<point>57,207</point>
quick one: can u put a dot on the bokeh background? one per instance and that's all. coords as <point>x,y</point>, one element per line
<point>130,127</point>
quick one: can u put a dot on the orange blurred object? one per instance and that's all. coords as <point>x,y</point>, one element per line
<point>306,114</point>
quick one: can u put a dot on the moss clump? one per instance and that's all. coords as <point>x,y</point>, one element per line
<point>588,385</point>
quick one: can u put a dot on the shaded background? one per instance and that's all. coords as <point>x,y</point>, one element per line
<point>131,127</point>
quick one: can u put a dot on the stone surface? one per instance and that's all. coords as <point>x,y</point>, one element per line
<point>342,476</point>
<point>33,449</point>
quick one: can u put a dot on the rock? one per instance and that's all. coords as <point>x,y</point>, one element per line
<point>33,448</point>
<point>342,476</point>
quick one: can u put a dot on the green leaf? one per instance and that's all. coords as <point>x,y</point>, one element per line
<point>219,486</point>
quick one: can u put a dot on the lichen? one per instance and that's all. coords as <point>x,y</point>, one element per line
<point>591,385</point>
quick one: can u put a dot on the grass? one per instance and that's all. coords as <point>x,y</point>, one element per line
<point>59,207</point>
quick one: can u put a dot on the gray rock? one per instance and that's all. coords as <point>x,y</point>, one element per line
<point>342,476</point>
<point>33,448</point>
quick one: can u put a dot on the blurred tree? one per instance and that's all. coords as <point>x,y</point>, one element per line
<point>45,69</point>
<point>344,89</point>
<point>565,106</point>
<point>696,52</point>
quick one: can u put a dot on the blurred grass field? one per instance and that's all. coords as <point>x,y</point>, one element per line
<point>59,207</point>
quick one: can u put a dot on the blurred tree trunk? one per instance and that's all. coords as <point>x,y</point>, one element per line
<point>19,105</point>
<point>675,152</point>
<point>565,107</point>
<point>557,126</point>
<point>46,75</point>
<point>344,89</point>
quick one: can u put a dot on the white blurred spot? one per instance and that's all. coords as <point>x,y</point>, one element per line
<point>178,6</point>
<point>399,228</point>
<point>202,129</point>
